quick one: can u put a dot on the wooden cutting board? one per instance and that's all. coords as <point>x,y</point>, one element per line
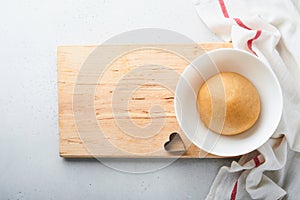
<point>117,100</point>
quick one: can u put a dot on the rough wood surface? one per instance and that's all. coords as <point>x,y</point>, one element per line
<point>127,110</point>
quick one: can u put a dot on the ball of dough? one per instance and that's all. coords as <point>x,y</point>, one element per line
<point>228,103</point>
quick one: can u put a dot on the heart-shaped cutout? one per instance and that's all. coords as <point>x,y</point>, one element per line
<point>175,144</point>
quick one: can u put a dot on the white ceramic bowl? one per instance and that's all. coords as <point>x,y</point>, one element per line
<point>228,60</point>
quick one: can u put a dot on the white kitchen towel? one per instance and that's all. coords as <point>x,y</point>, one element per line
<point>269,29</point>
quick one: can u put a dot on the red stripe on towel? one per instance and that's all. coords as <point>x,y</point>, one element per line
<point>234,190</point>
<point>241,24</point>
<point>250,41</point>
<point>223,8</point>
<point>256,161</point>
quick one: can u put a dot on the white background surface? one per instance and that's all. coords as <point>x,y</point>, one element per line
<point>31,168</point>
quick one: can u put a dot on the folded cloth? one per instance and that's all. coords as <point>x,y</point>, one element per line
<point>269,29</point>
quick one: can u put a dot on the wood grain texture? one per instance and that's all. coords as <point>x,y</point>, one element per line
<point>117,100</point>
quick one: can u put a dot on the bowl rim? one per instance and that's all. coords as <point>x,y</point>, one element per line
<point>274,125</point>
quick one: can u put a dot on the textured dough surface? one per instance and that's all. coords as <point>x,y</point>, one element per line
<point>228,103</point>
